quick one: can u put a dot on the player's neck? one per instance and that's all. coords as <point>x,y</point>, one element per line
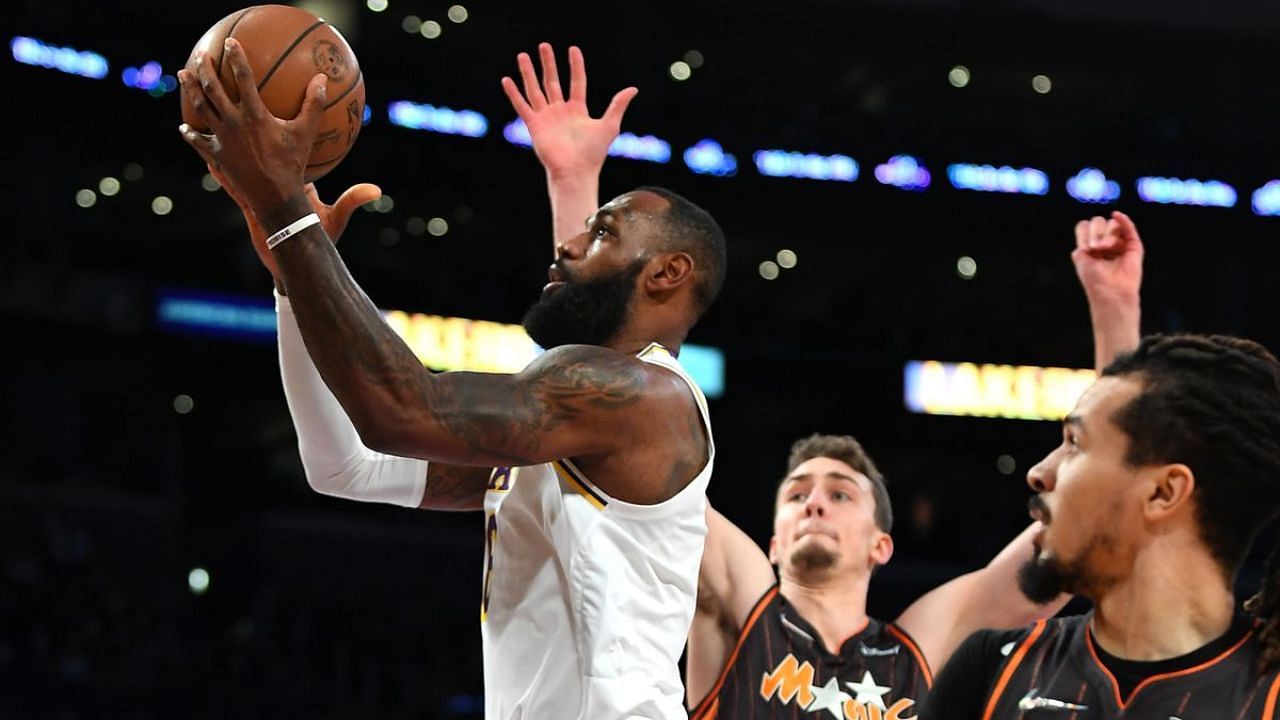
<point>835,607</point>
<point>1167,607</point>
<point>633,343</point>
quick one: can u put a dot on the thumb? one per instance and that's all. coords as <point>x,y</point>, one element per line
<point>348,202</point>
<point>313,102</point>
<point>618,105</point>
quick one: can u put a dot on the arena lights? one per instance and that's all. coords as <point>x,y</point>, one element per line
<point>441,343</point>
<point>905,172</point>
<point>1266,199</point>
<point>216,315</point>
<point>708,158</point>
<point>1004,179</point>
<point>1021,392</point>
<point>782,163</point>
<point>627,145</point>
<point>641,147</point>
<point>30,51</point>
<point>437,119</point>
<point>150,77</point>
<point>1174,191</point>
<point>1092,186</point>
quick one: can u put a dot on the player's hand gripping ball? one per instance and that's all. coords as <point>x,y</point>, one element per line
<point>286,47</point>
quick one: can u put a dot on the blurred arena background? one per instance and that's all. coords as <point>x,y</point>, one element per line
<point>160,552</point>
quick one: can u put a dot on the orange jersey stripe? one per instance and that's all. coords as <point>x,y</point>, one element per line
<point>1115,686</point>
<point>1009,669</point>
<point>706,710</point>
<point>1269,710</point>
<point>915,650</point>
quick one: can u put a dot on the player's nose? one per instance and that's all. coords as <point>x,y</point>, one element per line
<point>1043,476</point>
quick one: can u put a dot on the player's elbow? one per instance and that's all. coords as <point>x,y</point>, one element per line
<point>389,438</point>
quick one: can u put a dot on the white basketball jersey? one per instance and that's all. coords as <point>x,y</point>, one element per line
<point>588,599</point>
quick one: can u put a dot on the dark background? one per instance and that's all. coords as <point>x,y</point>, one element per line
<point>325,608</point>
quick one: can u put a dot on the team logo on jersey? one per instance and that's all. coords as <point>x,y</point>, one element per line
<point>794,683</point>
<point>878,652</point>
<point>1033,700</point>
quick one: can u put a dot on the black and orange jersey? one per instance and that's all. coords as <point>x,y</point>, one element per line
<point>1055,669</point>
<point>779,668</point>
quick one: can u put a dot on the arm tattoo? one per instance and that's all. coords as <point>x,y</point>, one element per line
<point>465,418</point>
<point>509,421</point>
<point>455,487</point>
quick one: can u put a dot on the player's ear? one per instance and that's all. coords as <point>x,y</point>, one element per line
<point>773,549</point>
<point>667,271</point>
<point>881,548</point>
<point>1171,488</point>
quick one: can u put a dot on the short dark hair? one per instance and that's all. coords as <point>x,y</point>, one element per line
<point>1213,404</point>
<point>848,451</point>
<point>692,229</point>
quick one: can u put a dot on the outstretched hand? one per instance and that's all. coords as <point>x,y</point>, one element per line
<point>333,218</point>
<point>567,140</point>
<point>1108,258</point>
<point>262,156</point>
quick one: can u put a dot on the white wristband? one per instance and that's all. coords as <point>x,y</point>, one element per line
<point>292,228</point>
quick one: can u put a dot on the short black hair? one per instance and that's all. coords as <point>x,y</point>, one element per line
<point>1213,404</point>
<point>692,229</point>
<point>849,451</point>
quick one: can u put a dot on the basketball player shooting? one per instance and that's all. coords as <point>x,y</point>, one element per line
<point>591,464</point>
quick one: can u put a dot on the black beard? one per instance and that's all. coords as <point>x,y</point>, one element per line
<point>589,312</point>
<point>1042,580</point>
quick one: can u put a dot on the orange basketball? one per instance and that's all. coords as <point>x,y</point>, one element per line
<point>286,47</point>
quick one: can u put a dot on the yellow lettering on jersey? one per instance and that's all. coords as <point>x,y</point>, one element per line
<point>500,480</point>
<point>854,710</point>
<point>896,710</point>
<point>787,680</point>
<point>490,541</point>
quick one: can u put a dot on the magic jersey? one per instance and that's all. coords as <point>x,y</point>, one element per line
<point>1053,671</point>
<point>587,599</point>
<point>780,669</point>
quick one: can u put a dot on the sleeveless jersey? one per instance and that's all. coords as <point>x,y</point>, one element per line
<point>1053,671</point>
<point>780,669</point>
<point>587,600</point>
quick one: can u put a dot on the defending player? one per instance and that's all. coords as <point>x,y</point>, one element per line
<point>1166,472</point>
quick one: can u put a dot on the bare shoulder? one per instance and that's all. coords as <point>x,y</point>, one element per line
<point>603,377</point>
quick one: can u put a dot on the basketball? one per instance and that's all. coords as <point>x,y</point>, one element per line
<point>286,47</point>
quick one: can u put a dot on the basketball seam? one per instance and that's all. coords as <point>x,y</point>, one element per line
<point>346,92</point>
<point>234,23</point>
<point>286,53</point>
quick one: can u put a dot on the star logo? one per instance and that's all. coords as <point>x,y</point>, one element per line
<point>868,691</point>
<point>829,697</point>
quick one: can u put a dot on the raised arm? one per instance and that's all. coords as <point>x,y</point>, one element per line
<point>735,574</point>
<point>987,598</point>
<point>572,401</point>
<point>1108,260</point>
<point>571,145</point>
<point>335,461</point>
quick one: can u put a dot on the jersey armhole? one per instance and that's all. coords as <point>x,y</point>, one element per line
<point>1011,665</point>
<point>910,642</point>
<point>704,709</point>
